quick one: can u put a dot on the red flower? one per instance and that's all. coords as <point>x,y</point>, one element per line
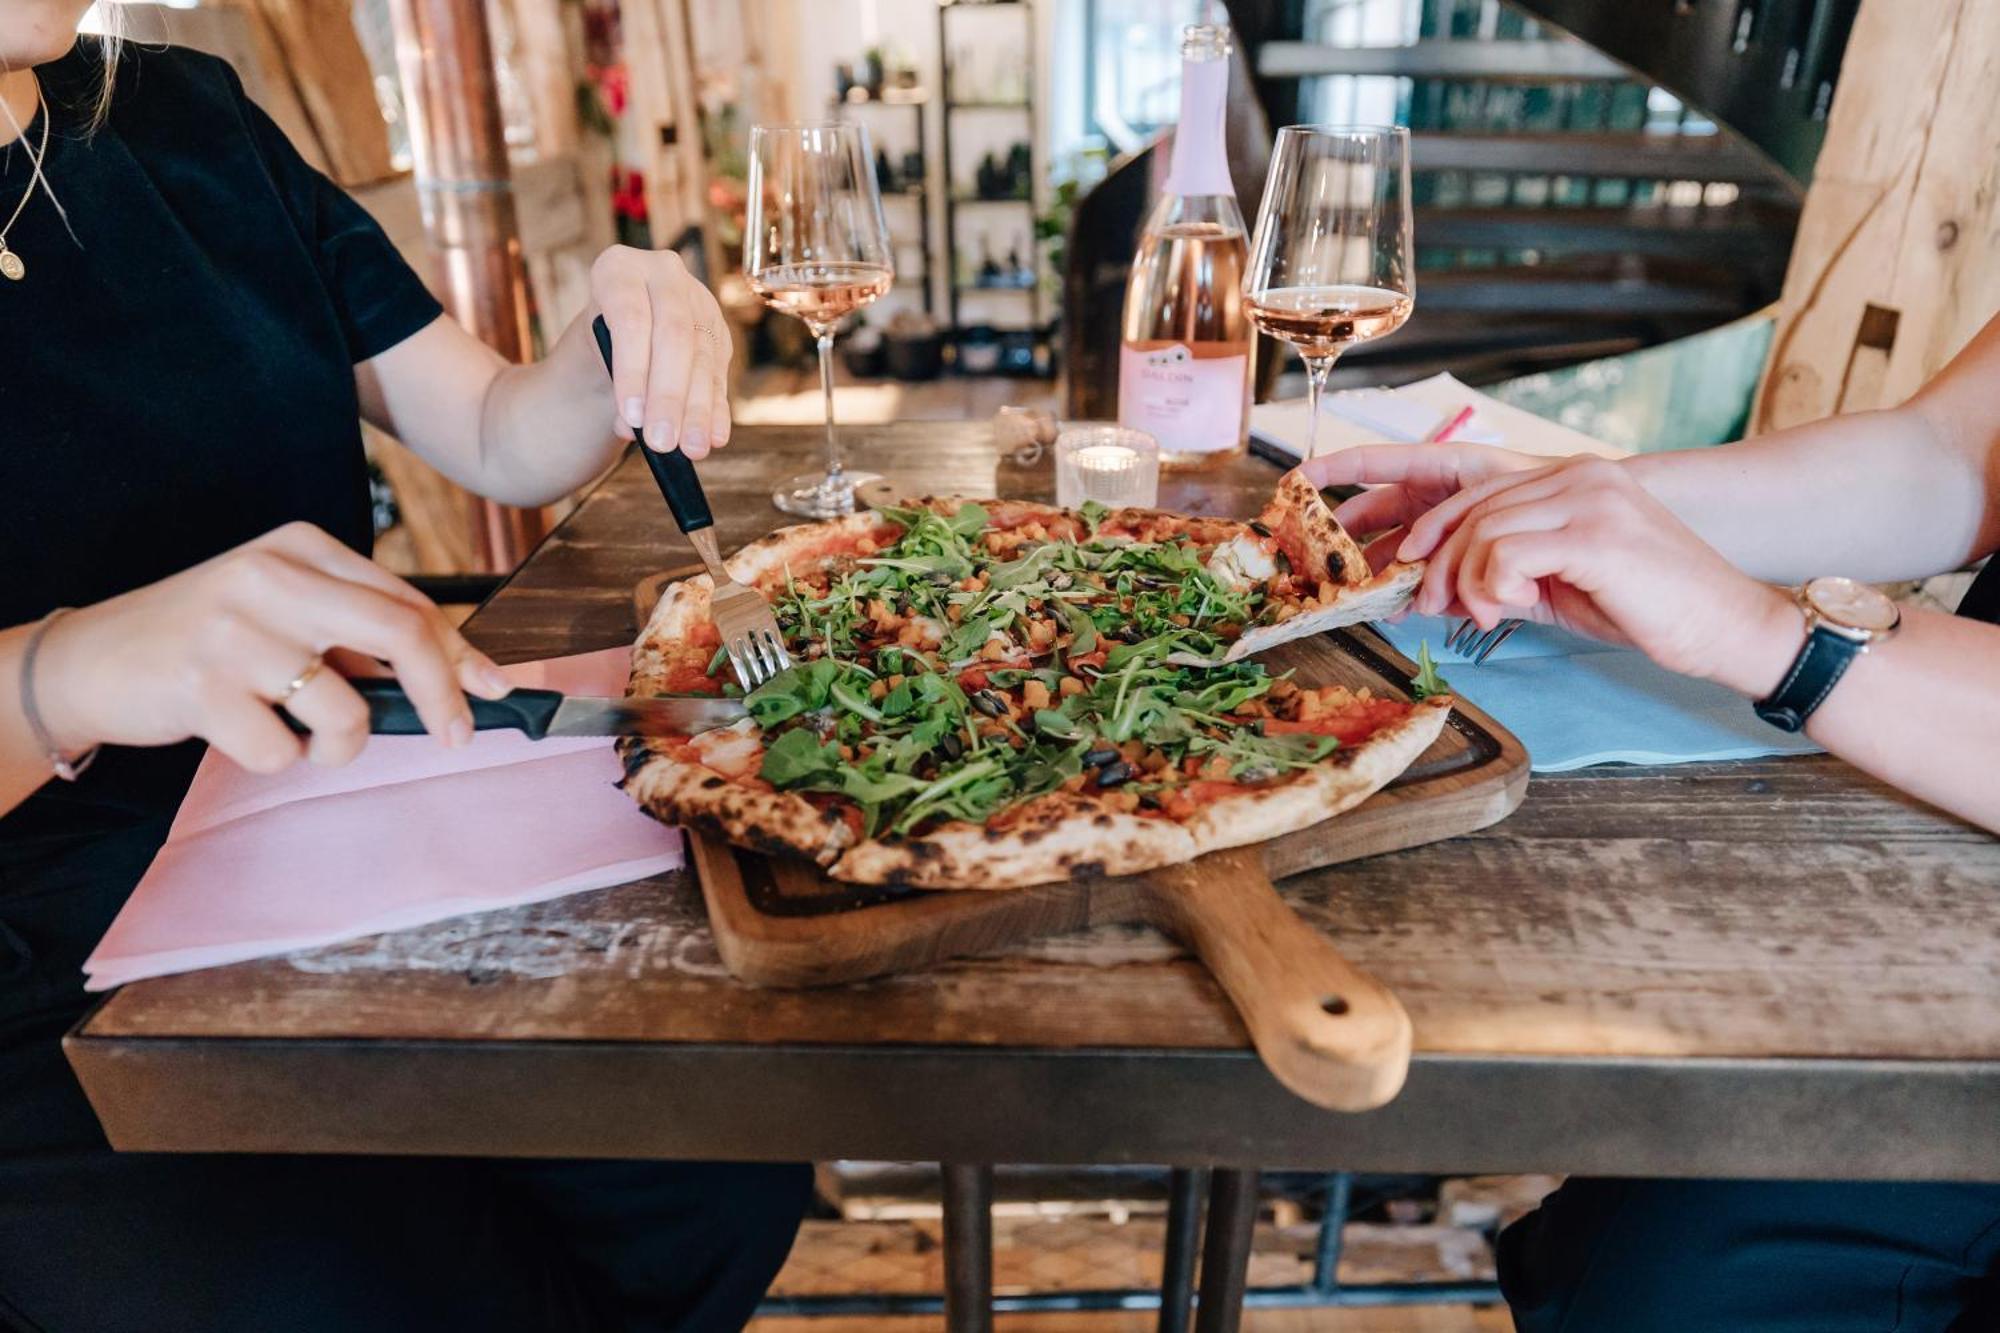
<point>614,85</point>
<point>628,194</point>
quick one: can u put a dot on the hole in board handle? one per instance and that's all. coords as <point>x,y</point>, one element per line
<point>1334,1005</point>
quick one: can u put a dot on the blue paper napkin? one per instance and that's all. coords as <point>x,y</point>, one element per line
<point>1575,702</point>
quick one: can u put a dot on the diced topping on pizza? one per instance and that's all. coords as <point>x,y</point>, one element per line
<point>967,662</point>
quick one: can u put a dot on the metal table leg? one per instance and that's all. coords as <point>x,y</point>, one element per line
<point>968,1247</point>
<point>1225,1256</point>
<point>1332,1224</point>
<point>1184,1194</point>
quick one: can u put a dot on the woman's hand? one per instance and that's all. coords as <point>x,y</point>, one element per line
<point>1413,478</point>
<point>1580,544</point>
<point>670,350</point>
<point>207,652</point>
<point>531,434</point>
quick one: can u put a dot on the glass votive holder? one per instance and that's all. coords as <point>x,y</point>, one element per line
<point>1109,464</point>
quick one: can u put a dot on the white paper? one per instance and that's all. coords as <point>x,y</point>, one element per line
<point>1410,414</point>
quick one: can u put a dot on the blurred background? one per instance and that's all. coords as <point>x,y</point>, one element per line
<point>1592,178</point>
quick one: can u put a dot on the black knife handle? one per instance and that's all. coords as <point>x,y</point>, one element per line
<point>390,712</point>
<point>673,470</point>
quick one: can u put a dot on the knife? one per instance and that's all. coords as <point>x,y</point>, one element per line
<point>542,713</point>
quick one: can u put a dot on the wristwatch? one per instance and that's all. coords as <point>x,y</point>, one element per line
<point>1843,620</point>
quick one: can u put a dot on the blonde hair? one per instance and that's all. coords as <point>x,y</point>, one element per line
<point>110,42</point>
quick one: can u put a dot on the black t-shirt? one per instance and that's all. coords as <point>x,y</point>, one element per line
<point>1982,599</point>
<point>176,377</point>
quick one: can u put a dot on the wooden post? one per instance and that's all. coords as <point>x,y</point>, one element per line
<point>445,58</point>
<point>330,75</point>
<point>659,55</point>
<point>1897,262</point>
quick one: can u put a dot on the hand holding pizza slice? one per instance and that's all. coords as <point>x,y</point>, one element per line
<point>1001,694</point>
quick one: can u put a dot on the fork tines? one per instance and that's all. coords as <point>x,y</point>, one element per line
<point>749,634</point>
<point>1468,641</point>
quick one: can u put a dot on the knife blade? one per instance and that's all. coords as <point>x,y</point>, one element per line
<point>581,715</point>
<point>541,713</point>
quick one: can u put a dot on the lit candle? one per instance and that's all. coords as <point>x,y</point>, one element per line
<point>1106,458</point>
<point>1110,465</point>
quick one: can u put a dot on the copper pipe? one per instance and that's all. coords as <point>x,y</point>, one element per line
<point>450,94</point>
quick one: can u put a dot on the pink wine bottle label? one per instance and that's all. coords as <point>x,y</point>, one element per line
<point>1189,406</point>
<point>1201,158</point>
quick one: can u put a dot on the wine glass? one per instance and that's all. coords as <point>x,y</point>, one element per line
<point>815,246</point>
<point>1330,263</point>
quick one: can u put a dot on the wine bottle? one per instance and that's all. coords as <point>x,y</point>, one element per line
<point>1184,360</point>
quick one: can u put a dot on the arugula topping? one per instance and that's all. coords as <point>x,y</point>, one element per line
<point>1427,681</point>
<point>1081,627</point>
<point>967,639</point>
<point>893,729</point>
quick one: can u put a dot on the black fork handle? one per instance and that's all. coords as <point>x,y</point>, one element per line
<point>673,470</point>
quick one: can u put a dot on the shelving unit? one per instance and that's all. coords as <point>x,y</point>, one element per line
<point>954,199</point>
<point>918,195</point>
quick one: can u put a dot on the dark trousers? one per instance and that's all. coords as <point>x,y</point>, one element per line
<point>93,1241</point>
<point>1740,1256</point>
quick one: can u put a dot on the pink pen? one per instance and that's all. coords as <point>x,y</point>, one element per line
<point>1450,428</point>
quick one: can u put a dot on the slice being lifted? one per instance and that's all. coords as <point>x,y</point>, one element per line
<point>1000,694</point>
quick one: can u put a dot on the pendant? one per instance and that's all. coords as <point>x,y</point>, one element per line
<point>11,267</point>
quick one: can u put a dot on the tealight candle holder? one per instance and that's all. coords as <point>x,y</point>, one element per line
<point>1109,464</point>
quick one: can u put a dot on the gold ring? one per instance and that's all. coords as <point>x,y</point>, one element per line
<point>706,332</point>
<point>298,682</point>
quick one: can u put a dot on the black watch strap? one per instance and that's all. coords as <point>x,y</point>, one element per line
<point>1815,671</point>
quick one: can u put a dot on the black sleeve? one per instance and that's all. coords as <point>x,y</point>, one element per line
<point>380,299</point>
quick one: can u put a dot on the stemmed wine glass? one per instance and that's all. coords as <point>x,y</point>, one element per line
<point>1330,263</point>
<point>815,246</point>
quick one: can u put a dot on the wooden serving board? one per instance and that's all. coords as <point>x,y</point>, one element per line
<point>1328,1031</point>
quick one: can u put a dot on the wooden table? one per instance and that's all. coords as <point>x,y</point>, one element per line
<point>1770,969</point>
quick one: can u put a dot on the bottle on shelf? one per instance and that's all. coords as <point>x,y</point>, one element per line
<point>989,269</point>
<point>1184,364</point>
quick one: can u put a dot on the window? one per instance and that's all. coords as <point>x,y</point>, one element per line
<point>1132,65</point>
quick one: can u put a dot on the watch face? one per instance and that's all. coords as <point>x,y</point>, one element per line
<point>1852,605</point>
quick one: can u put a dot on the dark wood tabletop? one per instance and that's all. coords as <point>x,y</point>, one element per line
<point>1764,968</point>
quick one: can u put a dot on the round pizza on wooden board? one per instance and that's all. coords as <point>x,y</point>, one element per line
<point>1000,693</point>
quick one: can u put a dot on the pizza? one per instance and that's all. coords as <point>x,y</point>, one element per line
<point>1000,693</point>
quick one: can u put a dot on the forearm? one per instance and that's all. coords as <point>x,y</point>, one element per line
<point>23,766</point>
<point>1878,496</point>
<point>1921,711</point>
<point>522,435</point>
<point>545,429</point>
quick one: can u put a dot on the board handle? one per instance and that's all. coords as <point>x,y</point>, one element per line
<point>1327,1030</point>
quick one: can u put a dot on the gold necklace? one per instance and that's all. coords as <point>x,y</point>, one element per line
<point>11,267</point>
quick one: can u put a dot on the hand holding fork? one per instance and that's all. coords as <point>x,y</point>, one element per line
<point>750,633</point>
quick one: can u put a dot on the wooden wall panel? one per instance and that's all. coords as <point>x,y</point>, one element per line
<point>1897,262</point>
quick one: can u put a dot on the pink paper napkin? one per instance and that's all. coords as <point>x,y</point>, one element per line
<point>408,833</point>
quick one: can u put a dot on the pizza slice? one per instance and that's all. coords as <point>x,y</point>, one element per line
<point>1331,584</point>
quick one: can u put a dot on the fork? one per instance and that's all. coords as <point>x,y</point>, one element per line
<point>1470,643</point>
<point>749,630</point>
